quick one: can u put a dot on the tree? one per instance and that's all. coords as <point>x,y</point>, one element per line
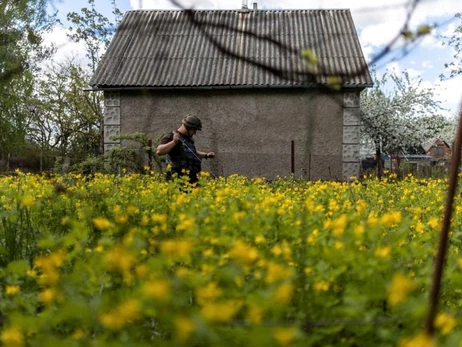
<point>63,119</point>
<point>404,116</point>
<point>22,24</point>
<point>95,31</point>
<point>455,41</point>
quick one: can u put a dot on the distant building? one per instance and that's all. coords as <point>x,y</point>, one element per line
<point>438,149</point>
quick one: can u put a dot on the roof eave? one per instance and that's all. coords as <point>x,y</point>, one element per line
<point>128,88</point>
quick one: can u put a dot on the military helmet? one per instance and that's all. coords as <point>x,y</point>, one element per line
<point>192,122</point>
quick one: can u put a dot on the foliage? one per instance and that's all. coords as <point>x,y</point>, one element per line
<point>404,116</point>
<point>22,24</point>
<point>136,260</point>
<point>146,144</point>
<point>94,30</point>
<point>63,118</point>
<point>455,41</point>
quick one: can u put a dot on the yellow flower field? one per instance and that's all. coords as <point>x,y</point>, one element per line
<point>137,261</point>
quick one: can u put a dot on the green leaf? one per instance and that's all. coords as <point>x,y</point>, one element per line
<point>424,30</point>
<point>408,35</point>
<point>310,57</point>
<point>18,267</point>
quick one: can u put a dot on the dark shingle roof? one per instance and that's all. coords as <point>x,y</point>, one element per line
<point>154,48</point>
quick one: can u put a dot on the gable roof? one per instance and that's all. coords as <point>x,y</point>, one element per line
<point>165,49</point>
<point>430,143</point>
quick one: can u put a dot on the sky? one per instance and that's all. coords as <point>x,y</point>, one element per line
<point>377,23</point>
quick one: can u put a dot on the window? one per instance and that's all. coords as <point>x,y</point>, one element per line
<point>439,151</point>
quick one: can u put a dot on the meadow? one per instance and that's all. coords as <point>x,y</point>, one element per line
<point>136,261</point>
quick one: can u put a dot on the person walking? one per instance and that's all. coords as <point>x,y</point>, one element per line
<point>178,146</point>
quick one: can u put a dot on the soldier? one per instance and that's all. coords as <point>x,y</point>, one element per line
<point>181,154</point>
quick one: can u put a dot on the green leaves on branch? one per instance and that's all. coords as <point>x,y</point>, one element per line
<point>421,31</point>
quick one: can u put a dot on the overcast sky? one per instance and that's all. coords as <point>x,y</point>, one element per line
<point>377,22</point>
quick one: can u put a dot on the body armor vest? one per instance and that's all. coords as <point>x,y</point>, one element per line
<point>186,158</point>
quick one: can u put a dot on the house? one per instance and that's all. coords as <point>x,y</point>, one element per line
<point>266,109</point>
<point>438,149</point>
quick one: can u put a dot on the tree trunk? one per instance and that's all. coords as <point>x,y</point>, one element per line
<point>378,157</point>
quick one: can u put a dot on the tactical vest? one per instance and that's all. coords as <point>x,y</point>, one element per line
<point>187,157</point>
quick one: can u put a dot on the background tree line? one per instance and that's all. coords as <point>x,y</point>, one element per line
<point>45,113</point>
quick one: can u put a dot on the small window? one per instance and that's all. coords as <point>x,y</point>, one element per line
<point>439,151</point>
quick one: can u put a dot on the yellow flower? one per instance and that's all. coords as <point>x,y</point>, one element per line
<point>144,220</point>
<point>400,287</point>
<point>383,252</point>
<point>119,259</point>
<point>361,206</point>
<point>185,222</point>
<point>419,227</point>
<point>131,210</point>
<point>255,314</point>
<point>239,216</point>
<point>78,334</point>
<point>27,201</point>
<point>243,253</point>
<point>372,220</point>
<point>184,327</point>
<point>220,312</point>
<point>123,314</point>
<point>321,286</point>
<point>31,273</point>
<point>12,290</point>
<point>182,272</point>
<point>49,265</point>
<point>49,295</point>
<point>176,248</point>
<point>119,219</point>
<point>445,323</point>
<point>308,270</point>
<point>159,218</point>
<point>391,218</point>
<point>101,223</point>
<point>157,289</point>
<point>283,293</point>
<point>434,223</point>
<point>207,252</point>
<point>142,271</point>
<point>420,340</point>
<point>259,239</point>
<point>359,230</point>
<point>277,272</point>
<point>276,250</point>
<point>12,337</point>
<point>311,239</point>
<point>338,225</point>
<point>285,336</point>
<point>208,293</point>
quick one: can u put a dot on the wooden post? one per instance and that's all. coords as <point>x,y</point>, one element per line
<point>292,157</point>
<point>150,163</point>
<point>444,235</point>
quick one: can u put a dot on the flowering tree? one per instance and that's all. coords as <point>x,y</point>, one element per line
<point>455,67</point>
<point>398,113</point>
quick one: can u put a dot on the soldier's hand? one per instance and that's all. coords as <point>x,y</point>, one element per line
<point>176,136</point>
<point>211,154</point>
